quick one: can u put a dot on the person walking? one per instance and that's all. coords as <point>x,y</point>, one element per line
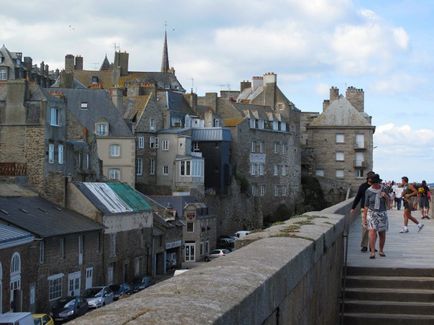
<point>423,191</point>
<point>409,194</point>
<point>397,189</point>
<point>375,219</point>
<point>360,197</point>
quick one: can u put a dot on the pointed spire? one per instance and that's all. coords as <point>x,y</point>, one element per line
<point>105,65</point>
<point>165,62</point>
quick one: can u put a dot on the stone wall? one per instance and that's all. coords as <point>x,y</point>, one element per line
<point>287,274</point>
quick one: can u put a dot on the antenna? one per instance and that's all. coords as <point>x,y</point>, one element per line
<point>192,84</point>
<point>117,47</point>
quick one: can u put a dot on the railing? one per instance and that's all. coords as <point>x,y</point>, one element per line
<point>13,169</point>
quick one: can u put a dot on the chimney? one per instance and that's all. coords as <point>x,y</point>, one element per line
<point>69,62</point>
<point>325,104</point>
<point>211,101</point>
<point>270,89</point>
<point>356,97</point>
<point>121,62</point>
<point>334,93</point>
<point>28,62</point>
<point>78,63</point>
<point>245,85</point>
<point>256,82</point>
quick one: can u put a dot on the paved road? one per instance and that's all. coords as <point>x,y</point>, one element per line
<point>410,250</point>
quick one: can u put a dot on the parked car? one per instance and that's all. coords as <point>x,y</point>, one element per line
<point>23,318</point>
<point>141,283</point>
<point>67,308</point>
<point>120,290</point>
<point>242,233</point>
<point>226,243</point>
<point>42,319</point>
<point>180,271</point>
<point>98,296</point>
<point>218,252</point>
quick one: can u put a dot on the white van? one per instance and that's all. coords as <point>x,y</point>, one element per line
<point>16,319</point>
<point>242,233</point>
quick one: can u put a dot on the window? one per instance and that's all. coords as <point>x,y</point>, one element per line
<point>261,169</point>
<point>83,105</point>
<point>41,252</point>
<point>359,173</point>
<point>253,146</point>
<point>112,249</point>
<point>319,172</point>
<point>284,148</point>
<point>276,170</point>
<point>285,169</point>
<point>276,190</point>
<point>254,190</point>
<point>190,227</point>
<point>15,264</point>
<point>139,166</point>
<point>165,170</point>
<point>141,142</point>
<point>360,140</point>
<point>152,166</point>
<point>340,138</point>
<point>340,156</point>
<point>165,145</point>
<point>3,73</point>
<point>115,150</point>
<point>252,169</point>
<point>261,147</point>
<point>196,146</point>
<point>87,161</point>
<point>283,190</point>
<point>185,168</point>
<point>51,153</point>
<point>206,247</point>
<point>276,147</point>
<point>54,117</point>
<point>153,142</point>
<point>55,286</point>
<point>360,159</point>
<point>114,173</point>
<point>262,190</point>
<point>101,128</point>
<point>152,124</point>
<point>62,247</point>
<point>216,123</point>
<point>252,123</point>
<point>261,124</point>
<point>60,154</point>
<point>339,173</point>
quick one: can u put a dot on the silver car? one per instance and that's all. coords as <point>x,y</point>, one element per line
<point>98,296</point>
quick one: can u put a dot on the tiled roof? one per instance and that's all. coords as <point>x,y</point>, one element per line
<point>42,218</point>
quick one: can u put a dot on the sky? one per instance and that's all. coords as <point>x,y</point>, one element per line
<point>383,47</point>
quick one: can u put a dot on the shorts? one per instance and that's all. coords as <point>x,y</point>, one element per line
<point>424,202</point>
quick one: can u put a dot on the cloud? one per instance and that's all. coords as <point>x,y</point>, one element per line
<point>396,82</point>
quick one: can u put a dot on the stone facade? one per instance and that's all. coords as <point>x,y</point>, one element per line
<point>341,139</point>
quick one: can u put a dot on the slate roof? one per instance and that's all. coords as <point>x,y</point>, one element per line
<point>99,107</point>
<point>211,134</point>
<point>341,113</point>
<point>175,202</point>
<point>11,236</point>
<point>42,218</point>
<point>113,197</point>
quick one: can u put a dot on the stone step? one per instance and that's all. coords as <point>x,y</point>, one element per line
<point>387,319</point>
<point>385,294</point>
<point>383,271</point>
<point>389,307</point>
<point>403,282</point>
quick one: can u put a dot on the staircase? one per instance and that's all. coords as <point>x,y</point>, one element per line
<point>388,296</point>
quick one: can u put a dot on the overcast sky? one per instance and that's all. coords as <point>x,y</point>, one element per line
<point>384,47</point>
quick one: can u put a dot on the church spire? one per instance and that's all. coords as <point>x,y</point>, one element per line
<point>165,62</point>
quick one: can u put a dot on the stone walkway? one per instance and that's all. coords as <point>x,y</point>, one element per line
<point>410,250</point>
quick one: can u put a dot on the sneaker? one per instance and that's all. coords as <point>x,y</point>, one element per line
<point>404,230</point>
<point>364,249</point>
<point>420,226</point>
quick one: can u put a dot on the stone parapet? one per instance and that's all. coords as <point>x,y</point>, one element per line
<point>289,273</point>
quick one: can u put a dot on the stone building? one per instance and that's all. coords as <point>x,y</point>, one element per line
<point>64,258</point>
<point>341,139</point>
<point>200,227</point>
<point>127,220</point>
<point>265,151</point>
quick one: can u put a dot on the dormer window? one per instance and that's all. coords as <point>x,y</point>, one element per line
<point>2,58</point>
<point>3,73</point>
<point>102,128</point>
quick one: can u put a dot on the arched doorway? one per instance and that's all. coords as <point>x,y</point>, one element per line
<point>15,283</point>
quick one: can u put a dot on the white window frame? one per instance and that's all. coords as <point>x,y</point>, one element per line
<point>185,168</point>
<point>276,190</point>
<point>152,166</point>
<point>152,124</point>
<point>51,153</point>
<point>114,173</point>
<point>253,169</point>
<point>165,170</point>
<point>340,138</point>
<point>3,73</point>
<point>89,277</point>
<point>60,159</point>
<point>252,123</point>
<point>340,156</point>
<point>55,286</point>
<point>253,149</point>
<point>141,142</point>
<point>340,173</point>
<point>360,141</point>
<point>319,172</point>
<point>41,252</point>
<point>190,252</point>
<point>139,166</point>
<point>153,142</point>
<point>262,190</point>
<point>101,128</point>
<point>83,105</point>
<point>165,145</point>
<point>54,116</point>
<point>115,150</point>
